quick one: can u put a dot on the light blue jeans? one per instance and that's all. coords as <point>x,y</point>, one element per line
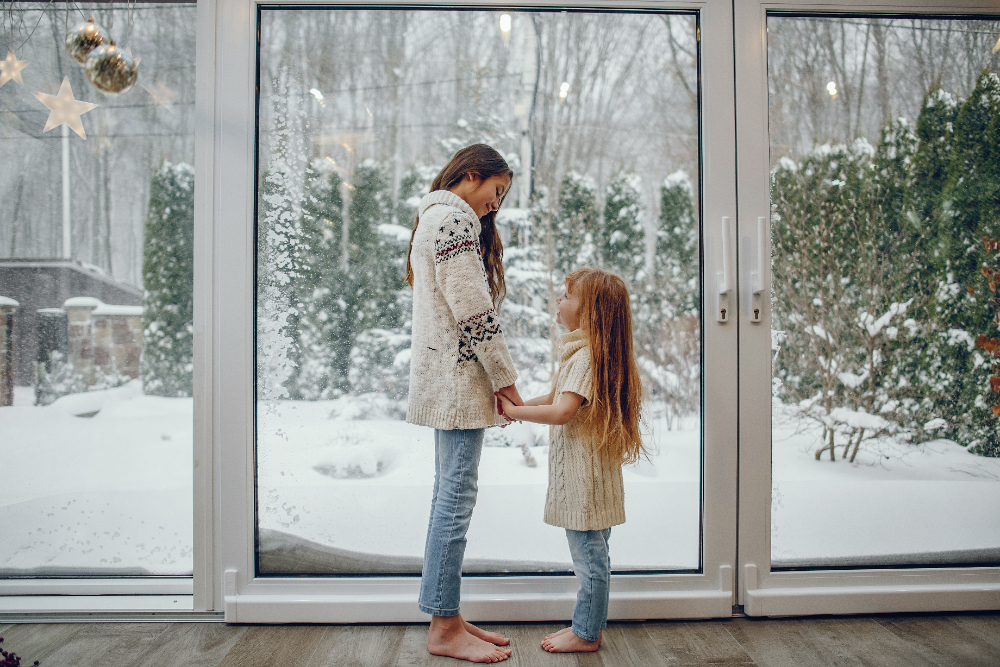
<point>456,483</point>
<point>592,566</point>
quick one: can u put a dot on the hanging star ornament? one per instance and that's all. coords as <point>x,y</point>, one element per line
<point>11,68</point>
<point>64,109</point>
<point>162,96</point>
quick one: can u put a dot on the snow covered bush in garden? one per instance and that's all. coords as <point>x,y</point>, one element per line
<point>168,277</point>
<point>882,277</point>
<point>668,334</point>
<point>622,245</point>
<point>575,223</point>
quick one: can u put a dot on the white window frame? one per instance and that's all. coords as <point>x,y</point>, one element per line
<point>224,208</point>
<point>761,591</point>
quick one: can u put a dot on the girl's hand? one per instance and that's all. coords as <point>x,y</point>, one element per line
<point>511,394</point>
<point>505,404</point>
<point>500,411</point>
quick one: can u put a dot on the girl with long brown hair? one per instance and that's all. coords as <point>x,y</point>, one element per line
<point>593,409</point>
<point>458,362</point>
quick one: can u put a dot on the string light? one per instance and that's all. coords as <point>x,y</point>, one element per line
<point>832,89</point>
<point>563,90</point>
<point>505,26</point>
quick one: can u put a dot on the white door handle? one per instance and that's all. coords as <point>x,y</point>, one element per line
<point>754,282</point>
<point>720,282</point>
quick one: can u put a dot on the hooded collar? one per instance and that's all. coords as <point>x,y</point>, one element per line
<point>570,343</point>
<point>448,198</point>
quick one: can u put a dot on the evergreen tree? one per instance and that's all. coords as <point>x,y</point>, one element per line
<point>576,223</point>
<point>676,262</point>
<point>168,277</point>
<point>622,246</point>
<point>970,213</point>
<point>325,359</point>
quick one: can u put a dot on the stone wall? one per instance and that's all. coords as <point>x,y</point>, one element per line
<point>103,337</point>
<point>8,308</point>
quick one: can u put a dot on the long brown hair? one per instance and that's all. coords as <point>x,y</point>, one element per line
<point>612,418</point>
<point>483,162</point>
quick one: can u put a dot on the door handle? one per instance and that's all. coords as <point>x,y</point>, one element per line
<point>720,281</point>
<point>754,282</point>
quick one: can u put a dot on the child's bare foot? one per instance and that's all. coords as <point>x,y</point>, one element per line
<point>448,636</point>
<point>492,637</point>
<point>567,641</point>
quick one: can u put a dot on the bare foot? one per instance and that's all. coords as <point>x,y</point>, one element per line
<point>560,632</point>
<point>569,642</point>
<point>492,637</point>
<point>448,636</point>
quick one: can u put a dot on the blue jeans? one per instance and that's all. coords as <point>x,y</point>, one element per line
<point>456,483</point>
<point>592,566</point>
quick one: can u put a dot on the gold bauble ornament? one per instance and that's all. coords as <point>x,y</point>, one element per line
<point>83,39</point>
<point>111,70</point>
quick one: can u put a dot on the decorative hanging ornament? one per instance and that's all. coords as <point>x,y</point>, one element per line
<point>83,39</point>
<point>11,68</point>
<point>64,109</point>
<point>111,70</point>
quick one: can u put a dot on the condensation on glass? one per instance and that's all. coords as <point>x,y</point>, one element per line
<point>885,361</point>
<point>358,111</point>
<point>95,302</point>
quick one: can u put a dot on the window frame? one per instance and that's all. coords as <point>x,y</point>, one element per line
<point>228,107</point>
<point>790,593</point>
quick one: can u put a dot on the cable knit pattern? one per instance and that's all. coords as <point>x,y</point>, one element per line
<point>458,353</point>
<point>585,491</point>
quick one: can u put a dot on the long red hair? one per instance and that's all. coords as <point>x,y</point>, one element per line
<point>483,162</point>
<point>612,417</point>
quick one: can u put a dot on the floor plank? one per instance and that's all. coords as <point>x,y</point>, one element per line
<point>358,646</point>
<point>820,642</point>
<point>690,643</point>
<point>413,647</point>
<point>270,645</point>
<point>38,641</point>
<point>947,641</point>
<point>191,645</point>
<point>99,644</point>
<point>526,645</point>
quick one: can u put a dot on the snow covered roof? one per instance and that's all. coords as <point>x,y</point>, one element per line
<point>105,309</point>
<point>82,302</point>
<point>51,311</point>
<point>101,308</point>
<point>6,301</point>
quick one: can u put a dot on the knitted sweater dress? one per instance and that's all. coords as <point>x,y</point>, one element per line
<point>585,490</point>
<point>458,355</point>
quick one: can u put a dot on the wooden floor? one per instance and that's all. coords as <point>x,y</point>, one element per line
<point>955,640</point>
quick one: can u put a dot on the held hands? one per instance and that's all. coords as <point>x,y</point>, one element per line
<point>507,397</point>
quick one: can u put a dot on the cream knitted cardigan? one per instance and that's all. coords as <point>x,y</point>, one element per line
<point>585,490</point>
<point>458,353</point>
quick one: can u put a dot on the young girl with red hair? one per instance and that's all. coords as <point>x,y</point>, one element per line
<point>593,411</point>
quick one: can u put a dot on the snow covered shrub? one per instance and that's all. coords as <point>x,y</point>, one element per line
<point>667,330</point>
<point>575,224</point>
<point>58,377</point>
<point>168,277</point>
<point>622,244</point>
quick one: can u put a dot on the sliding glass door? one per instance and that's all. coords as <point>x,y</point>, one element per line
<point>872,261</point>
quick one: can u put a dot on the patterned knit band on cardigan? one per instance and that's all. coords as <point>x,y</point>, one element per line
<point>458,353</point>
<point>585,489</point>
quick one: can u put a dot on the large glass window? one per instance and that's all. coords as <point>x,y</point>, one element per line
<point>885,220</point>
<point>96,232</point>
<point>358,110</point>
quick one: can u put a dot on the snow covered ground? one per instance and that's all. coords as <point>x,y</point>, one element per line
<point>365,486</point>
<point>112,493</point>
<point>109,494</point>
<point>895,501</point>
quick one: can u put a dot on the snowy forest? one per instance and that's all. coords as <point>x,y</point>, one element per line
<point>349,145</point>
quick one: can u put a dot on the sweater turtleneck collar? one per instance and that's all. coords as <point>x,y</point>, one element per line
<point>570,343</point>
<point>447,198</point>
